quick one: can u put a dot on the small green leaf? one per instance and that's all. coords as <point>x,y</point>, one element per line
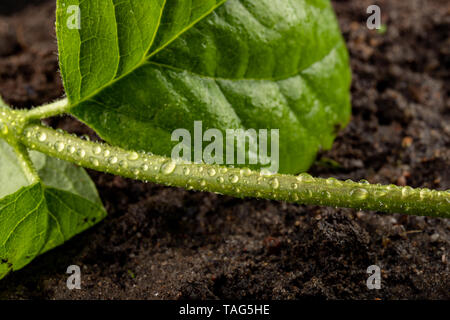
<point>11,174</point>
<point>149,67</point>
<point>38,217</point>
<point>23,227</point>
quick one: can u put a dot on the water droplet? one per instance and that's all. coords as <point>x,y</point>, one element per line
<point>246,172</point>
<point>364,181</point>
<point>144,167</point>
<point>42,136</point>
<point>186,171</point>
<point>380,193</point>
<point>221,180</point>
<point>133,156</point>
<point>5,129</point>
<point>113,160</point>
<point>392,187</point>
<point>202,183</point>
<point>168,167</point>
<point>294,186</point>
<point>406,191</point>
<point>234,178</point>
<point>359,193</point>
<point>94,161</point>
<point>424,193</point>
<point>71,149</point>
<point>326,194</point>
<point>223,170</point>
<point>106,153</point>
<point>333,181</point>
<point>123,164</point>
<point>305,177</point>
<point>136,172</point>
<point>97,150</point>
<point>266,172</point>
<point>81,153</point>
<point>275,183</point>
<point>212,172</point>
<point>59,146</point>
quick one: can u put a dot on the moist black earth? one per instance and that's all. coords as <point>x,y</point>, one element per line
<point>169,243</point>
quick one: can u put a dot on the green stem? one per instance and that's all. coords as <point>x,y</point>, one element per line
<point>49,110</point>
<point>25,163</point>
<point>11,125</point>
<point>236,182</point>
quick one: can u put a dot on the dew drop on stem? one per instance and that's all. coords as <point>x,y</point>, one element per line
<point>123,164</point>
<point>94,162</point>
<point>359,194</point>
<point>113,160</point>
<point>133,156</point>
<point>42,136</point>
<point>305,177</point>
<point>274,183</point>
<point>97,150</point>
<point>223,170</point>
<point>234,178</point>
<point>59,146</point>
<point>168,167</point>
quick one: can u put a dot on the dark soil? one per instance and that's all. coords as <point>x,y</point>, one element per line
<point>168,243</point>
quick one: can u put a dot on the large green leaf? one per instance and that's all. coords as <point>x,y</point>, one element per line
<point>149,67</point>
<point>35,218</point>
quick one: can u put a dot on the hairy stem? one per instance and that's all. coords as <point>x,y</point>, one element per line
<point>26,164</point>
<point>236,182</point>
<point>49,110</point>
<point>11,123</point>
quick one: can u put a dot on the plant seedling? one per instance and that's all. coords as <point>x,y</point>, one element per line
<point>134,71</point>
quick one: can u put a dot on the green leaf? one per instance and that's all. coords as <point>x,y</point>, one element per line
<point>138,70</point>
<point>38,217</point>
